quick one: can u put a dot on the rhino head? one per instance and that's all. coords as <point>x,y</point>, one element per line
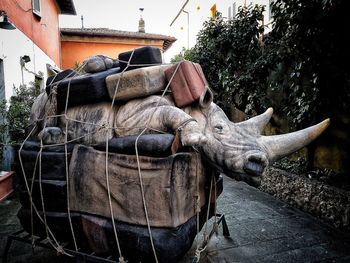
<point>239,149</point>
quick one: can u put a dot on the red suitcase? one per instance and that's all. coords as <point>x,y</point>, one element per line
<point>188,83</point>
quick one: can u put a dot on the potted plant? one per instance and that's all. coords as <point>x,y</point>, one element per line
<point>6,187</point>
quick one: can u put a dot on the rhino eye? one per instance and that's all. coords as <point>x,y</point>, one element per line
<point>218,127</point>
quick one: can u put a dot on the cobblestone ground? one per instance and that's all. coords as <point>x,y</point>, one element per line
<point>262,229</point>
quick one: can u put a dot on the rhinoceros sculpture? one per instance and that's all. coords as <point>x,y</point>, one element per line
<point>237,149</point>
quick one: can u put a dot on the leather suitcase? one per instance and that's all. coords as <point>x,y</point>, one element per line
<point>171,243</point>
<point>54,195</point>
<point>53,165</point>
<point>53,161</point>
<point>171,183</point>
<point>188,83</point>
<point>153,145</point>
<point>136,83</point>
<point>142,56</point>
<point>84,89</point>
<point>58,222</point>
<point>68,73</point>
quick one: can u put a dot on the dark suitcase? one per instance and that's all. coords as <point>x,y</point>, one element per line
<point>187,84</point>
<point>68,73</point>
<point>58,223</point>
<point>142,57</point>
<point>171,243</point>
<point>53,165</point>
<point>34,145</point>
<point>154,145</point>
<point>84,89</point>
<point>54,195</point>
<point>53,161</point>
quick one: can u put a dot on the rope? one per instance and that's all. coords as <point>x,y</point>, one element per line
<point>67,172</point>
<point>105,127</point>
<point>56,247</point>
<point>143,195</point>
<point>205,237</point>
<point>198,253</point>
<point>139,167</point>
<point>183,124</point>
<point>41,190</point>
<point>201,248</point>
<point>137,157</point>
<point>121,258</point>
<point>197,202</point>
<point>31,202</point>
<point>138,162</point>
<point>121,75</point>
<point>215,207</point>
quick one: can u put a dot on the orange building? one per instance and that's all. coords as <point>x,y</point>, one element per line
<point>77,44</point>
<point>29,41</point>
<point>38,20</point>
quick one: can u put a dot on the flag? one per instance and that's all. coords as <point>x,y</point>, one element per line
<point>213,11</point>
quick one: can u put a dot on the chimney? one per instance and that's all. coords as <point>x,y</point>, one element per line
<point>82,22</point>
<point>141,22</point>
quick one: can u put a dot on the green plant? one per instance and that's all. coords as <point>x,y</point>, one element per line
<point>14,119</point>
<point>307,42</point>
<point>297,68</point>
<point>184,54</point>
<point>3,127</point>
<point>229,52</point>
<point>18,113</point>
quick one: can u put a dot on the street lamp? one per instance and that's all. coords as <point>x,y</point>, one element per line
<point>188,28</point>
<point>5,23</point>
<point>188,22</point>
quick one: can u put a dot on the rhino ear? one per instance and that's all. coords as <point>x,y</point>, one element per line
<point>206,98</point>
<point>257,123</point>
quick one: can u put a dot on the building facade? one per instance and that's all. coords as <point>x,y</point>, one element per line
<point>32,49</point>
<point>78,44</point>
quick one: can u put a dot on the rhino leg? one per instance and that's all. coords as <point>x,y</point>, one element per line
<point>52,135</point>
<point>191,134</point>
<point>136,115</point>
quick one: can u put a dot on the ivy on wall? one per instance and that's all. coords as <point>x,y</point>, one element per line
<point>298,67</point>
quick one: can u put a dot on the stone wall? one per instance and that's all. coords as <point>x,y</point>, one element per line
<point>329,203</point>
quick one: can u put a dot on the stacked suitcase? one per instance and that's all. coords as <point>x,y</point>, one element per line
<point>87,99</point>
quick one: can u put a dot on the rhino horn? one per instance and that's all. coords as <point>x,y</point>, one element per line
<point>278,146</point>
<point>257,123</point>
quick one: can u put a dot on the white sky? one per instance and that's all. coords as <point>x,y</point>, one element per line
<point>158,15</point>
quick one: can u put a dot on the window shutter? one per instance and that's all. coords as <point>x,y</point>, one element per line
<point>36,7</point>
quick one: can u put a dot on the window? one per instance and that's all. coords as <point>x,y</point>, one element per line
<point>36,7</point>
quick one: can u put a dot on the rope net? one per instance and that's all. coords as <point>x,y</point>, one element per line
<point>49,117</point>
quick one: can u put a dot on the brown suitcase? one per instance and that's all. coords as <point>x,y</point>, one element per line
<point>171,185</point>
<point>188,83</point>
